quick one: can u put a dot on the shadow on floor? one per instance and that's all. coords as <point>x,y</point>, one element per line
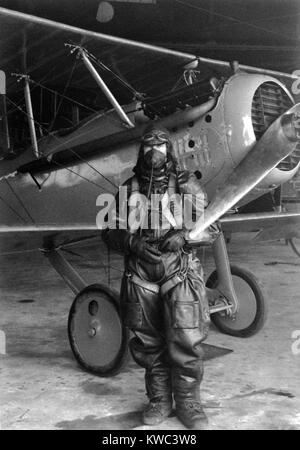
<point>123,421</point>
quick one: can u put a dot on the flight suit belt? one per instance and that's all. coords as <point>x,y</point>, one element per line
<point>172,282</point>
<point>154,287</point>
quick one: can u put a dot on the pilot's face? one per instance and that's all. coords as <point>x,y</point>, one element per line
<point>155,155</point>
<point>159,147</point>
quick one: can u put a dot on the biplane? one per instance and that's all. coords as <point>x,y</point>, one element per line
<point>237,128</point>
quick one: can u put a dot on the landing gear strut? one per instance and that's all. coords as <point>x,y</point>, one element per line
<point>237,301</point>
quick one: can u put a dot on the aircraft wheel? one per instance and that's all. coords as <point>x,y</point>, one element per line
<point>295,244</point>
<point>97,336</point>
<point>252,311</point>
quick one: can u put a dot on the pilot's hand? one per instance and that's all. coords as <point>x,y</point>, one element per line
<point>140,246</point>
<point>204,236</point>
<point>174,240</point>
<point>209,235</point>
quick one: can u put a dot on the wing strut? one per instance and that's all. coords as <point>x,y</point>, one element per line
<point>3,114</point>
<point>29,110</point>
<point>111,98</point>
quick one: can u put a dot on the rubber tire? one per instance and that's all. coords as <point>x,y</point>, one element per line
<point>261,309</point>
<point>120,360</point>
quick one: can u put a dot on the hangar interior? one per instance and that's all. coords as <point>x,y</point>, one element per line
<point>249,383</point>
<point>252,383</point>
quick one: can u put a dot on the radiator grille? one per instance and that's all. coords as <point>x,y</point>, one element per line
<point>269,102</point>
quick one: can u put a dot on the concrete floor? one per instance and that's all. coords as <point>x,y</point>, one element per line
<point>254,387</point>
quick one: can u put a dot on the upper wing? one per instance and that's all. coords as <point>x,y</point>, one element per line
<point>33,45</point>
<point>269,226</point>
<point>36,46</point>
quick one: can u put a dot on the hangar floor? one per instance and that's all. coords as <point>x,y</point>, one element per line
<point>254,387</point>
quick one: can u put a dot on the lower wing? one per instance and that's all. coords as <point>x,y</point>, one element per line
<point>268,225</point>
<point>22,238</point>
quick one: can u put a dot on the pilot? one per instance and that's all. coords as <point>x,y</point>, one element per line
<point>163,295</point>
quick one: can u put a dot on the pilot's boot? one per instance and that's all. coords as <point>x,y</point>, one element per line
<point>159,391</point>
<point>188,405</point>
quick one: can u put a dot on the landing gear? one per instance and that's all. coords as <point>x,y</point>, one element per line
<point>97,336</point>
<point>249,317</point>
<point>98,339</point>
<point>237,301</point>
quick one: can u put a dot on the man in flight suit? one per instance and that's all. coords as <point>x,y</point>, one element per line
<point>163,294</point>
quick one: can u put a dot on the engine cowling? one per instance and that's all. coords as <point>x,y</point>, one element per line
<point>251,104</point>
<point>270,101</point>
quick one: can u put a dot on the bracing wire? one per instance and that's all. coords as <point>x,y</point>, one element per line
<point>123,82</point>
<point>12,209</point>
<point>62,96</point>
<point>74,152</point>
<point>20,201</point>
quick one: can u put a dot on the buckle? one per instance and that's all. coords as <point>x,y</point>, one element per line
<point>181,275</point>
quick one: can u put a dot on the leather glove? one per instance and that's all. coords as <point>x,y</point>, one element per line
<point>140,246</point>
<point>208,236</point>
<point>174,240</point>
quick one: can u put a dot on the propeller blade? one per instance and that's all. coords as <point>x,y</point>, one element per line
<point>279,140</point>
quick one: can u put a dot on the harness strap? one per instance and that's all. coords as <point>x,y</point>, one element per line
<point>172,184</point>
<point>172,282</point>
<point>173,215</point>
<point>135,187</point>
<point>134,184</point>
<point>153,287</point>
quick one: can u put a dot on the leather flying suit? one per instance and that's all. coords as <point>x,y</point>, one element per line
<point>168,326</point>
<point>164,304</point>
